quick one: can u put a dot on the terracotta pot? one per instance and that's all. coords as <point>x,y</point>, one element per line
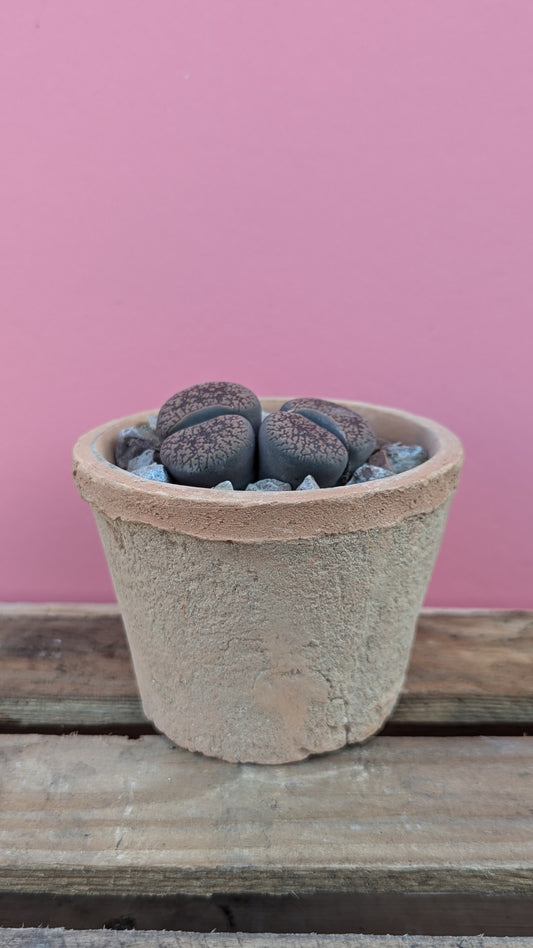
<point>265,627</point>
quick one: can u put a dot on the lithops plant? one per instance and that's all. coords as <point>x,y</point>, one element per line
<point>292,446</point>
<point>207,434</point>
<point>203,455</point>
<point>212,435</point>
<point>207,400</point>
<point>356,433</point>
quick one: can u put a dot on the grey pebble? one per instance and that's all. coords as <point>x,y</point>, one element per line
<point>404,457</point>
<point>367,472</point>
<point>224,485</point>
<point>269,483</point>
<point>142,460</point>
<point>133,441</point>
<point>153,472</point>
<point>308,483</point>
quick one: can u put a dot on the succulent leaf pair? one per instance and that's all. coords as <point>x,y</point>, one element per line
<point>214,431</point>
<point>317,437</point>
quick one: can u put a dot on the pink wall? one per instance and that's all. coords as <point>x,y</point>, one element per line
<point>308,197</point>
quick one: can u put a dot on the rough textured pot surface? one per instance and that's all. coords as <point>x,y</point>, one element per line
<point>266,627</point>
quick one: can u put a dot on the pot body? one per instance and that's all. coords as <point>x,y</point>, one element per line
<point>265,628</point>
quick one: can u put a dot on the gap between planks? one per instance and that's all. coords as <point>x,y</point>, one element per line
<point>317,913</point>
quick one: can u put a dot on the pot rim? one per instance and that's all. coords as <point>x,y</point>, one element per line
<point>261,515</point>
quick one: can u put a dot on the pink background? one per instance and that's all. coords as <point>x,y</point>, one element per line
<point>316,198</point>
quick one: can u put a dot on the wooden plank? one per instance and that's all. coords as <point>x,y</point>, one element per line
<point>468,653</point>
<point>69,665</point>
<point>112,815</point>
<point>59,938</point>
<point>470,667</point>
<point>66,665</point>
<point>64,649</point>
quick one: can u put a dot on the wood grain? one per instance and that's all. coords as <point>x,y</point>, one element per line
<point>431,834</point>
<point>68,666</point>
<point>59,938</point>
<point>108,814</point>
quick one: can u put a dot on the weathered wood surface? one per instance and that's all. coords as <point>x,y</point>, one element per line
<point>69,666</point>
<point>59,938</point>
<point>425,834</point>
<point>401,814</point>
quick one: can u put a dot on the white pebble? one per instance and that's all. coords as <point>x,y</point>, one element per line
<point>142,460</point>
<point>368,472</point>
<point>308,483</point>
<point>153,472</point>
<point>269,483</point>
<point>224,485</point>
<point>404,457</point>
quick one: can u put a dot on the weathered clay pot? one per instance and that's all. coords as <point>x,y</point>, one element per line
<point>265,627</point>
